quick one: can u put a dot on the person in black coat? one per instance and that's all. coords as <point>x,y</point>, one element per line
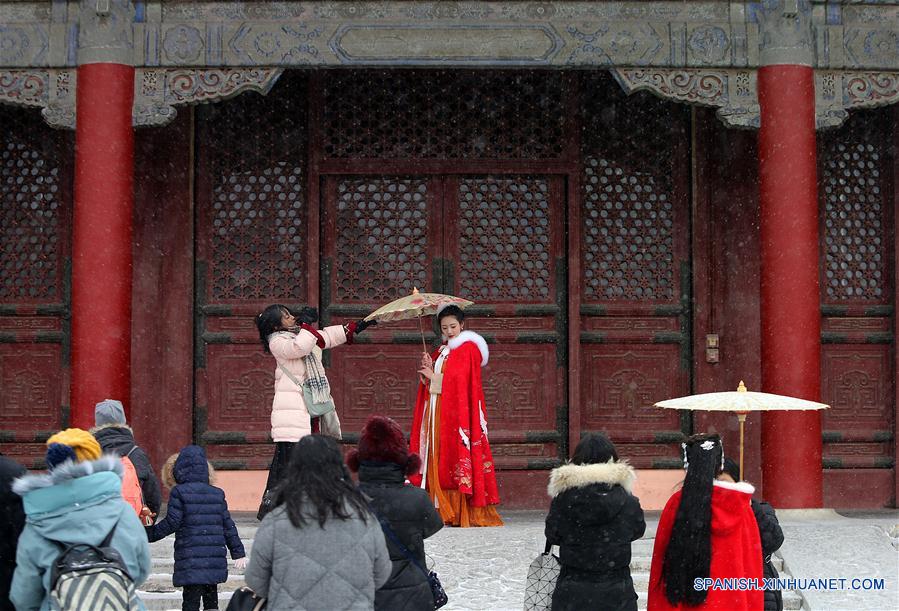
<point>593,518</point>
<point>116,437</point>
<point>198,515</point>
<point>383,461</point>
<point>12,521</point>
<point>769,531</point>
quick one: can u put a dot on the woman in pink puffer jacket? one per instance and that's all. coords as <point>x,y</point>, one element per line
<point>297,347</point>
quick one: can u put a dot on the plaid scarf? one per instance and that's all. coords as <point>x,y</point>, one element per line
<point>316,378</point>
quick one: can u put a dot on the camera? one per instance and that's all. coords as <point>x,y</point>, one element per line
<point>305,315</point>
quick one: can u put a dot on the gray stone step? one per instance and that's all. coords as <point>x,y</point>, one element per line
<point>158,592</point>
<point>172,601</point>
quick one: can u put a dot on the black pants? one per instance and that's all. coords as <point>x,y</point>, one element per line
<point>276,473</point>
<point>192,595</point>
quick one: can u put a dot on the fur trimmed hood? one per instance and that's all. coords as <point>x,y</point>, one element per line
<point>577,476</point>
<point>744,487</point>
<point>66,472</point>
<point>167,473</point>
<point>477,340</point>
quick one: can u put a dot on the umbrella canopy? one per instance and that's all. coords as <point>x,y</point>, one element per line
<point>415,305</point>
<point>740,400</point>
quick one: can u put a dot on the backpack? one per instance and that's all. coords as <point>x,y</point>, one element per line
<point>95,577</point>
<point>131,490</point>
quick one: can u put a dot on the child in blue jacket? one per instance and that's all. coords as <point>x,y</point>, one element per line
<point>198,515</point>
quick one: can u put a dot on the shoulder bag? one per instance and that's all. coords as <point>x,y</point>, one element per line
<point>437,591</point>
<point>314,409</point>
<point>245,599</point>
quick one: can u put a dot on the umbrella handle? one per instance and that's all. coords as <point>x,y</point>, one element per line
<point>422,332</point>
<point>741,416</point>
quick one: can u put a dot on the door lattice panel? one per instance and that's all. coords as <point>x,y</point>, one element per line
<point>628,235</point>
<point>258,244</point>
<point>629,210</point>
<point>443,115</point>
<point>30,213</point>
<point>855,259</point>
<point>381,242</point>
<point>504,233</point>
<point>257,189</point>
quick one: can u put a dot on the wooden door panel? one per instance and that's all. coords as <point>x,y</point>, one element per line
<point>374,378</point>
<point>252,238</point>
<point>381,238</point>
<point>857,196</point>
<point>35,266</point>
<point>521,389</point>
<point>858,427</point>
<point>635,274</point>
<point>239,382</point>
<point>32,389</point>
<point>496,240</point>
<point>504,249</point>
<point>621,382</point>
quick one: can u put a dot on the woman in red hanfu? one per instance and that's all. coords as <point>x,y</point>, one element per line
<point>707,531</point>
<point>449,428</point>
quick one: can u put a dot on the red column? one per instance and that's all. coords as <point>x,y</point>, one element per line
<point>101,235</point>
<point>790,299</point>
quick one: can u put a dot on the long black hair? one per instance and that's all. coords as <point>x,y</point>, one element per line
<point>594,448</point>
<point>268,322</point>
<point>318,485</point>
<point>689,553</point>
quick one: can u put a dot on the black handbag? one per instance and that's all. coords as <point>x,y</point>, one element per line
<point>245,599</point>
<point>437,591</point>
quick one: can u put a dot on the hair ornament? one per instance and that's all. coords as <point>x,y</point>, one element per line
<point>707,444</point>
<point>686,462</point>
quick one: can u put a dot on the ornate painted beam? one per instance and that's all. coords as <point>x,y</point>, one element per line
<point>734,92</point>
<point>701,52</point>
<point>156,92</point>
<point>663,34</point>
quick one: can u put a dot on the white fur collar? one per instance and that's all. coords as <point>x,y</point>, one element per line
<point>576,476</point>
<point>477,340</point>
<point>67,471</point>
<point>744,487</point>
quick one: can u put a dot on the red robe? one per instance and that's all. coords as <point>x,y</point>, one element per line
<point>736,551</point>
<point>465,463</point>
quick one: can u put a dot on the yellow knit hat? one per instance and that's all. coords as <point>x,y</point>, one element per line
<point>82,443</point>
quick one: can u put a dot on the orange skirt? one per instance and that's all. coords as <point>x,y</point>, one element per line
<point>453,506</point>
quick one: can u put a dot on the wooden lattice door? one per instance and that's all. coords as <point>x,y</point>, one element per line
<point>252,250</point>
<point>496,240</point>
<point>35,234</point>
<point>635,274</point>
<point>382,236</point>
<point>857,209</point>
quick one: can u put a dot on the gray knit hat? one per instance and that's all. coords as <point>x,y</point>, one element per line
<point>109,411</point>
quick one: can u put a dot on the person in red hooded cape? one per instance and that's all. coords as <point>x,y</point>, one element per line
<point>707,530</point>
<point>449,428</point>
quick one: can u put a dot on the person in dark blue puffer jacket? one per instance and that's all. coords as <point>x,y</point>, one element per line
<point>198,515</point>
